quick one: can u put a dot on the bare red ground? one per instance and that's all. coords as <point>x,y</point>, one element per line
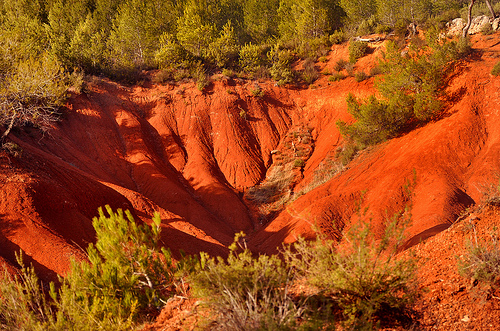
<point>190,155</point>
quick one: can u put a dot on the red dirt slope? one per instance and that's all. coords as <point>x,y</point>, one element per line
<point>450,162</point>
<point>191,156</point>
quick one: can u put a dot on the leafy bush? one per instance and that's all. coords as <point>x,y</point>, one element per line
<point>281,69</point>
<point>336,77</point>
<point>251,58</point>
<point>31,93</point>
<point>360,76</point>
<point>410,90</point>
<point>495,71</point>
<point>247,293</point>
<point>126,276</point>
<point>23,304</point>
<point>299,163</point>
<point>338,37</point>
<point>257,91</point>
<point>224,49</point>
<point>357,49</point>
<point>340,65</point>
<point>170,53</point>
<point>482,261</point>
<point>310,74</point>
<point>127,273</point>
<point>364,275</point>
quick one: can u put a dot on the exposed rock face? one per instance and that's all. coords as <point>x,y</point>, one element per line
<point>456,26</point>
<point>479,23</point>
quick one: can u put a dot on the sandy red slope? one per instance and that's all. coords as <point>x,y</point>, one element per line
<point>190,155</point>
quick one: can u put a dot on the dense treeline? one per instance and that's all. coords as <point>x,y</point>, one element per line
<point>119,38</point>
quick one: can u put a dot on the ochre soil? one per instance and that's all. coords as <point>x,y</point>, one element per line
<point>192,155</point>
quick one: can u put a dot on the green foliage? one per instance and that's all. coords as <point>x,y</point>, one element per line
<point>340,65</point>
<point>195,31</point>
<point>125,277</point>
<point>358,10</point>
<point>308,19</point>
<point>481,261</point>
<point>338,37</point>
<point>261,19</point>
<point>126,273</point>
<point>247,293</point>
<point>310,74</point>
<point>336,77</point>
<point>170,53</point>
<point>360,76</point>
<point>376,121</point>
<point>495,71</point>
<point>364,276</point>
<point>257,91</point>
<point>23,305</point>
<point>299,163</point>
<point>252,57</point>
<point>31,92</point>
<point>357,49</point>
<point>281,69</point>
<point>410,90</point>
<point>224,49</point>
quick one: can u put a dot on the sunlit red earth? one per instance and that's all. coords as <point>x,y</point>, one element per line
<point>191,155</point>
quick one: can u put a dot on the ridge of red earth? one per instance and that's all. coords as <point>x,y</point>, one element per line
<point>191,155</point>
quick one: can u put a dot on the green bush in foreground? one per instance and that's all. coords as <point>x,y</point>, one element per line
<point>247,293</point>
<point>126,277</point>
<point>482,261</point>
<point>364,275</point>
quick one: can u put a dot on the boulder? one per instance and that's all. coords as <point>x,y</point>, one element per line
<point>478,24</point>
<point>496,24</point>
<point>455,27</point>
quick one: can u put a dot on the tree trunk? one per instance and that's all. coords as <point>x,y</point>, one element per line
<point>11,124</point>
<point>469,19</point>
<point>491,9</point>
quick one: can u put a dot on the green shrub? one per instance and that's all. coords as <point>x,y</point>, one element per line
<point>224,49</point>
<point>374,71</point>
<point>313,47</point>
<point>281,69</point>
<point>338,37</point>
<point>126,277</point>
<point>310,74</point>
<point>257,91</point>
<point>376,122</point>
<point>357,49</point>
<point>481,261</point>
<point>411,90</point>
<point>364,276</point>
<point>381,29</point>
<point>251,58</point>
<point>487,29</point>
<point>247,293</point>
<point>31,93</point>
<point>336,77</point>
<point>495,71</point>
<point>360,76</point>
<point>23,305</point>
<point>299,163</point>
<point>340,65</point>
<point>127,272</point>
<point>170,53</point>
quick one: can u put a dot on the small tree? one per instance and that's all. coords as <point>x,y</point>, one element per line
<point>31,94</point>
